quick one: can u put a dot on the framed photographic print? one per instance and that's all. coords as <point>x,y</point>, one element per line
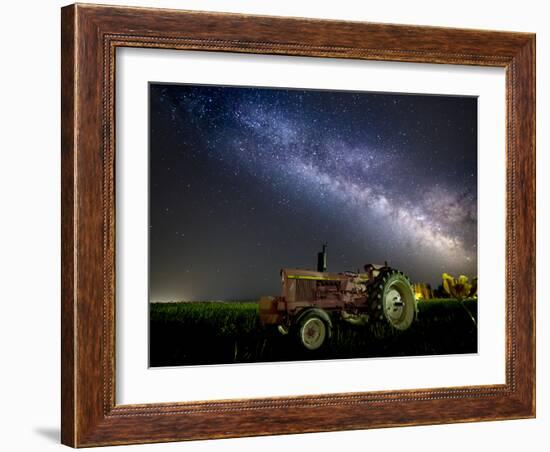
<point>279,225</point>
<point>243,179</point>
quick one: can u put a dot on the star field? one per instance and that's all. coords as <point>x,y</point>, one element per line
<point>244,181</point>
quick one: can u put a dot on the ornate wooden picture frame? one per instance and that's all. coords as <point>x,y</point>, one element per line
<point>90,37</point>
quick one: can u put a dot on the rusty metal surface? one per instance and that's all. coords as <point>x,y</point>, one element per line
<point>326,290</point>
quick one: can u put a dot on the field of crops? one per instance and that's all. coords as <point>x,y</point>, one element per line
<point>230,332</point>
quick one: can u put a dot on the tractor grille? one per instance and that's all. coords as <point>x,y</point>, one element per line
<point>305,289</point>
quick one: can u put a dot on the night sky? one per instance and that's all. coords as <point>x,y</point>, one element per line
<point>245,181</point>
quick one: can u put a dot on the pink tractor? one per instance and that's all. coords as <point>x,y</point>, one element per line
<point>311,300</point>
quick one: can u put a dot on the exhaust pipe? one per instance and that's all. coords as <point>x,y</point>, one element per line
<point>322,259</point>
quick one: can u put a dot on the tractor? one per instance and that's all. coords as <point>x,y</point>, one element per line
<point>311,300</point>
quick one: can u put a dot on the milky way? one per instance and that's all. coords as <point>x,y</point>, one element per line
<point>244,181</point>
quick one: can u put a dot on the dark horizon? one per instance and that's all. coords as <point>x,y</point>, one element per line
<point>245,181</point>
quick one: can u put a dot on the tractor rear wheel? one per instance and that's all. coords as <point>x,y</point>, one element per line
<point>393,295</point>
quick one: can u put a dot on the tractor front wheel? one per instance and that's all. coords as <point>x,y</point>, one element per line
<point>314,330</point>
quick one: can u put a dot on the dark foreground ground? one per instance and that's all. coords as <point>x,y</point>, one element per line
<point>225,333</point>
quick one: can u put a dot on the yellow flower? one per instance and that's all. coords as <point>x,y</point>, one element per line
<point>459,288</point>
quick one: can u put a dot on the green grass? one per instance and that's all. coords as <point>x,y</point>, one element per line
<point>228,318</point>
<point>230,332</point>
